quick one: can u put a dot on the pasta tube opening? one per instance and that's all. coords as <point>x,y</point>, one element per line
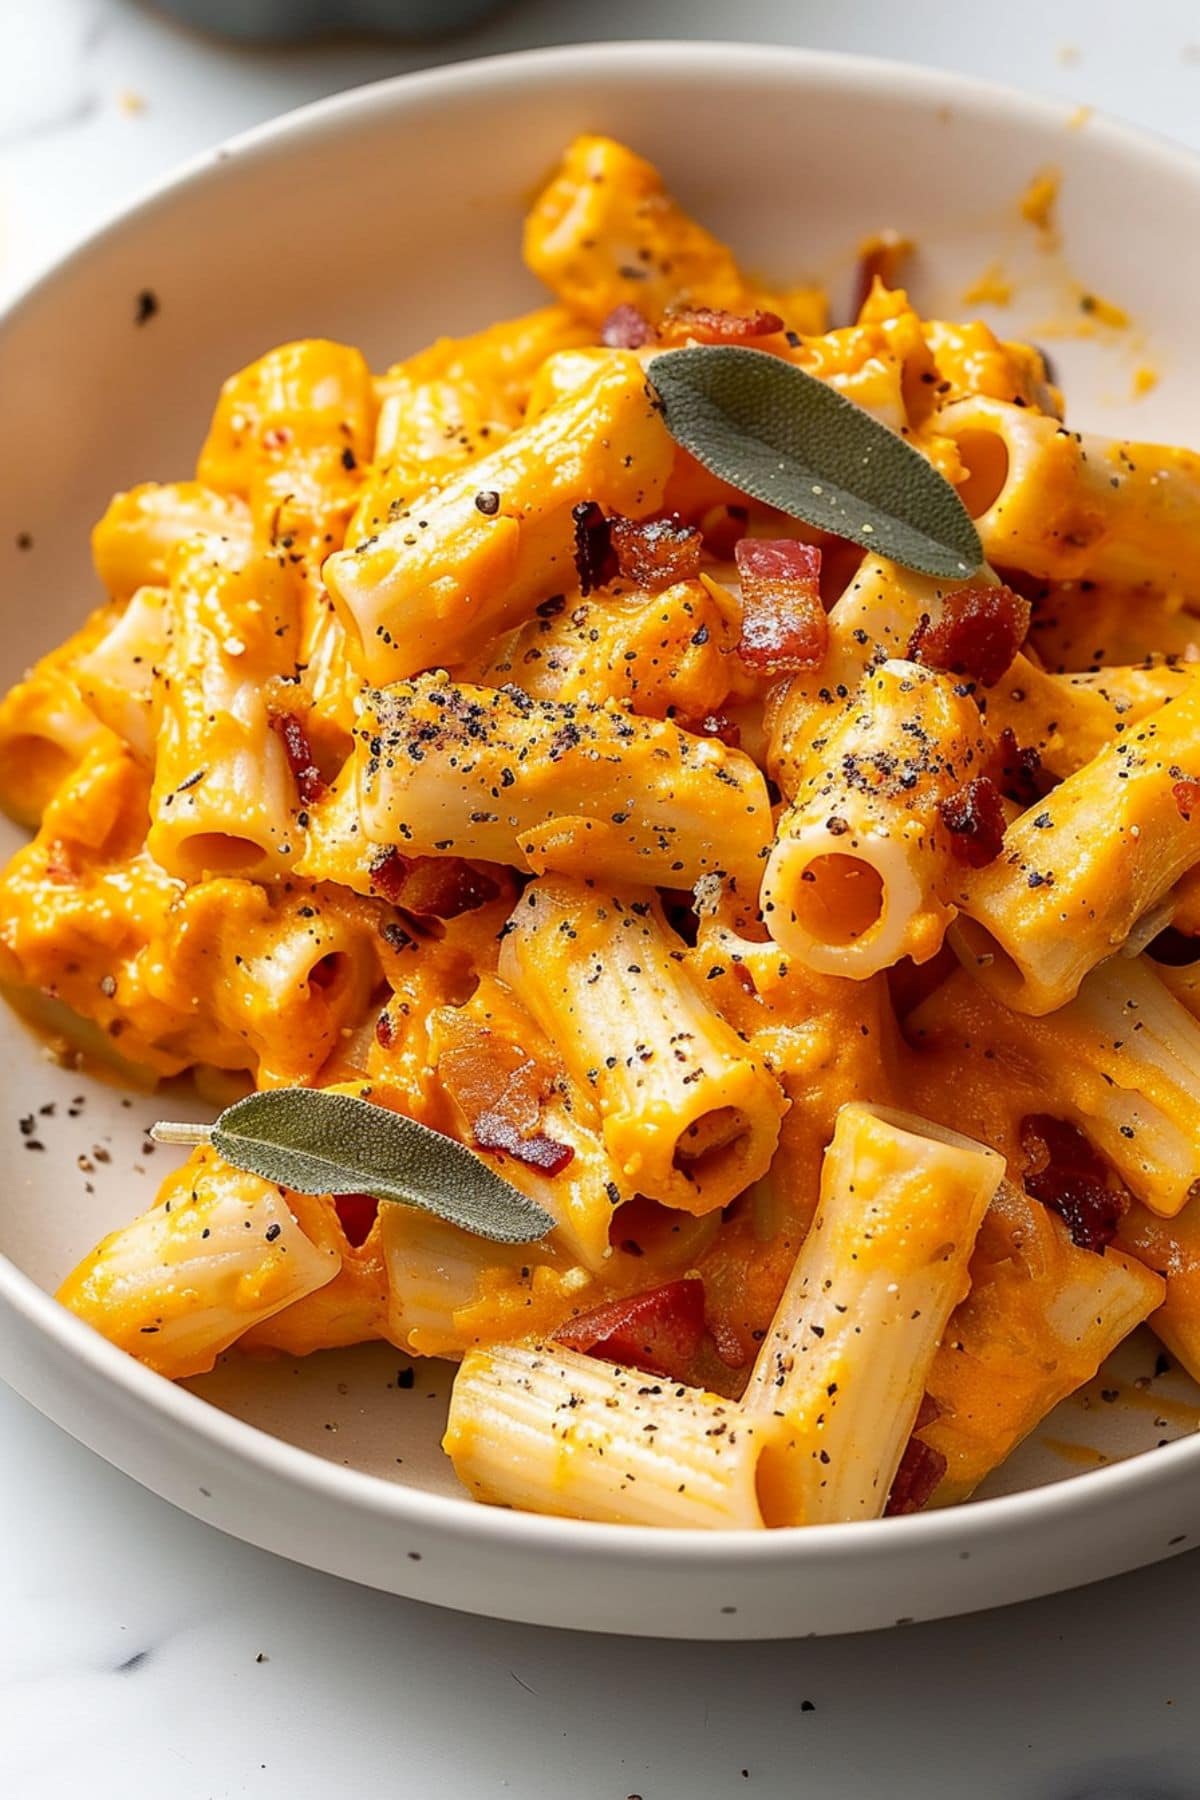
<point>863,872</point>
<point>690,1114</point>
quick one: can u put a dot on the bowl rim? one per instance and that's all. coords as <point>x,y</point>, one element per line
<point>459,1517</point>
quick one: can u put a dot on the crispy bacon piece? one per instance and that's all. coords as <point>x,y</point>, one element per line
<point>1066,1174</point>
<point>356,1215</point>
<point>435,887</point>
<point>980,631</point>
<point>659,1331</point>
<point>921,1467</point>
<point>974,817</point>
<point>289,729</point>
<point>784,628</point>
<point>1018,773</point>
<point>1186,795</point>
<point>492,1131</point>
<point>595,558</point>
<point>654,553</point>
<point>883,256</point>
<point>626,329</point>
<point>498,1089</point>
<point>709,325</point>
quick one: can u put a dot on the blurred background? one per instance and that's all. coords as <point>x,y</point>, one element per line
<point>99,97</point>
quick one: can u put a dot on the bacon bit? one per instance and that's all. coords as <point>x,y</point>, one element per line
<point>595,559</point>
<point>917,1478</point>
<point>356,1215</point>
<point>784,628</point>
<point>656,552</point>
<point>883,256</point>
<point>435,887</point>
<point>492,1131</point>
<point>714,725</point>
<point>722,527</point>
<point>659,1332</point>
<point>498,1089</point>
<point>709,325</point>
<point>1065,1173</point>
<point>1186,795</point>
<point>289,729</point>
<point>626,329</point>
<point>974,817</point>
<point>979,633</point>
<point>1018,773</point>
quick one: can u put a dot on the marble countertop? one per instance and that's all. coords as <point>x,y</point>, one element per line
<point>143,1653</point>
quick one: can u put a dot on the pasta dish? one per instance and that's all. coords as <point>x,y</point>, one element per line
<point>672,830</point>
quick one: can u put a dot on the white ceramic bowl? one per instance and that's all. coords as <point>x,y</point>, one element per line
<point>385,217</point>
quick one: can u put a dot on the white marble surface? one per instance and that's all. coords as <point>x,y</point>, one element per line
<point>142,1653</point>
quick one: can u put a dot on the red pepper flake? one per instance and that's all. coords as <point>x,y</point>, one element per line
<point>710,325</point>
<point>385,1030</point>
<point>356,1215</point>
<point>974,817</point>
<point>659,1332</point>
<point>493,1131</point>
<point>595,558</point>
<point>1065,1173</point>
<point>146,307</point>
<point>921,1467</point>
<point>1186,795</point>
<point>626,329</point>
<point>980,631</point>
<point>784,628</point>
<point>289,729</point>
<point>437,887</point>
<point>654,553</point>
<point>1018,773</point>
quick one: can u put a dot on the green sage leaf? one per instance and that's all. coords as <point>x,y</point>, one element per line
<point>785,438</point>
<point>320,1143</point>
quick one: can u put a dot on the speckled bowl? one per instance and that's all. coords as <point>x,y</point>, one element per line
<point>795,157</point>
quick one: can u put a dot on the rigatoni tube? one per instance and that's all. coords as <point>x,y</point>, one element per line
<point>219,1251</point>
<point>1039,1320</point>
<point>1121,1061</point>
<point>550,1431</point>
<point>47,727</point>
<point>133,543</point>
<point>443,576</point>
<point>863,872</point>
<point>116,676</point>
<point>1082,867</point>
<point>223,795</point>
<point>1060,505</point>
<point>843,1368</point>
<point>690,1114</point>
<point>446,769</point>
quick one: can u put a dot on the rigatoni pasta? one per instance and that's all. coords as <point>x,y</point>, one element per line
<point>625,803</point>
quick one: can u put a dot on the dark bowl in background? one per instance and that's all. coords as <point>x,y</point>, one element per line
<point>278,21</point>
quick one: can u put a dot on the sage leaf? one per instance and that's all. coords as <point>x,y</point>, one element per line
<point>322,1143</point>
<point>783,437</point>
